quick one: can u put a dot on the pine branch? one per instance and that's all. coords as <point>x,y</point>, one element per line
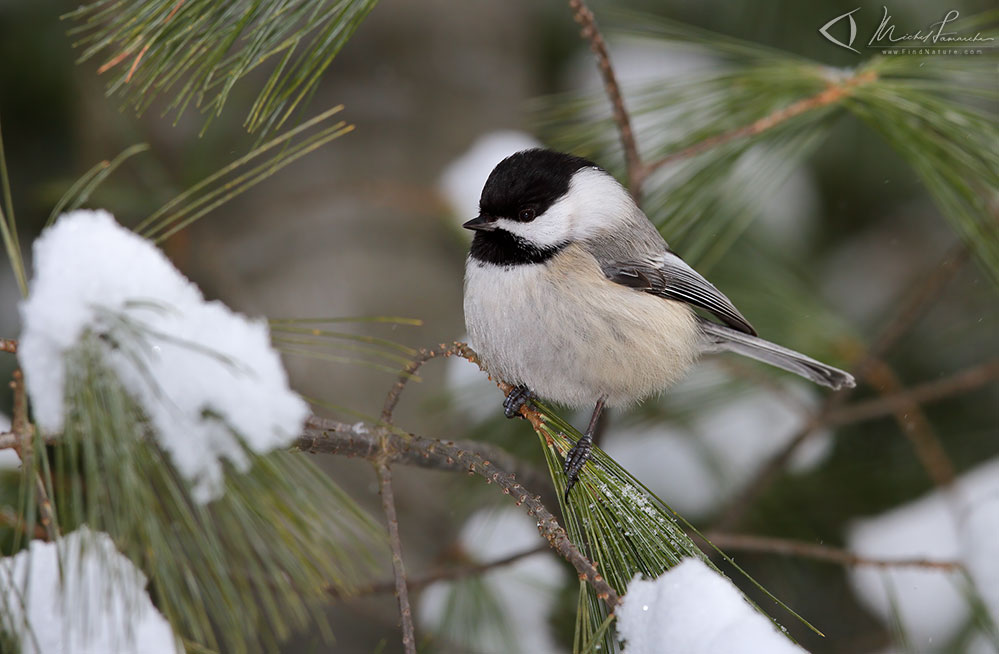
<point>240,175</point>
<point>835,92</point>
<point>16,521</point>
<point>800,549</point>
<point>324,435</point>
<point>79,192</point>
<point>909,415</point>
<point>925,291</point>
<point>422,356</point>
<point>909,309</point>
<point>444,574</point>
<point>353,441</point>
<point>637,171</point>
<point>22,431</point>
<point>905,404</point>
<point>398,567</point>
<point>197,51</point>
<point>8,226</point>
<point>903,400</point>
<point>237,574</point>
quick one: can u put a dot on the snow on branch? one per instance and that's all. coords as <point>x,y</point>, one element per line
<point>695,610</point>
<point>206,377</point>
<point>98,604</point>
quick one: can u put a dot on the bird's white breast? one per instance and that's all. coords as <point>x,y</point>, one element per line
<point>571,335</point>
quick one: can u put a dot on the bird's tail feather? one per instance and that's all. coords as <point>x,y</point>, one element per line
<point>724,339</point>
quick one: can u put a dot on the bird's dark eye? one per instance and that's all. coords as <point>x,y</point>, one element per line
<point>526,215</point>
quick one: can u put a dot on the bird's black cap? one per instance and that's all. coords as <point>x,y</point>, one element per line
<point>533,179</point>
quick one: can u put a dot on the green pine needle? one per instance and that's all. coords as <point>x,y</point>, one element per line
<point>620,525</point>
<point>938,115</point>
<point>306,337</point>
<point>238,574</point>
<point>80,191</point>
<point>283,329</point>
<point>705,202</point>
<point>395,320</point>
<point>473,614</point>
<point>195,52</point>
<point>8,226</point>
<point>951,145</point>
<point>243,173</point>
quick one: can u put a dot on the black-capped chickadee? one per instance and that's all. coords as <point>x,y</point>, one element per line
<point>571,295</point>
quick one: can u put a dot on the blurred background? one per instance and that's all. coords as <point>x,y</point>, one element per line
<point>828,250</point>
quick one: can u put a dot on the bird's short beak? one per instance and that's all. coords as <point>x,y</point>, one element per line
<point>482,223</point>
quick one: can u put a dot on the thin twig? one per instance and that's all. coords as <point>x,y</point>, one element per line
<point>361,440</point>
<point>392,444</point>
<point>443,574</point>
<point>22,429</point>
<point>534,477</point>
<point>831,94</point>
<point>769,545</point>
<point>910,308</point>
<point>960,382</point>
<point>908,413</point>
<point>424,355</point>
<point>924,292</point>
<point>10,440</point>
<point>915,426</point>
<point>456,348</point>
<point>16,521</point>
<point>636,169</point>
<point>354,440</point>
<point>8,345</point>
<point>398,568</point>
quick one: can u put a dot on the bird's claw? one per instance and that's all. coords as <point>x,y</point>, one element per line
<point>574,460</point>
<point>515,399</point>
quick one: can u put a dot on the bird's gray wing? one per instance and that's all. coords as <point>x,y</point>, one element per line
<point>670,277</point>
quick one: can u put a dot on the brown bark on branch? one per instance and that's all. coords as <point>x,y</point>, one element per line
<point>960,382</point>
<point>23,432</point>
<point>361,440</point>
<point>443,574</point>
<point>325,436</point>
<point>398,568</point>
<point>769,545</point>
<point>638,170</point>
<point>633,160</point>
<point>908,311</point>
<point>830,95</point>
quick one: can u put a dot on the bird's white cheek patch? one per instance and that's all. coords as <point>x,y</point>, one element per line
<point>599,204</point>
<point>553,227</point>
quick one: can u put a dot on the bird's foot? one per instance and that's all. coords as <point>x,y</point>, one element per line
<point>574,460</point>
<point>515,399</point>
